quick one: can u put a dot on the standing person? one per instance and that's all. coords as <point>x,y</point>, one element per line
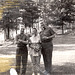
<point>21,52</point>
<point>35,51</point>
<point>47,34</point>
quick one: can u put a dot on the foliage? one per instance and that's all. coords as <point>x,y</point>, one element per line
<point>12,12</point>
<point>31,13</point>
<point>59,12</point>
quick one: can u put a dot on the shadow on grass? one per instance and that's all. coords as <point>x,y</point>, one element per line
<point>64,39</point>
<point>7,50</point>
<point>66,69</point>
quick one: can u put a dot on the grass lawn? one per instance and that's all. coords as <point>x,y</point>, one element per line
<point>64,39</point>
<point>5,64</point>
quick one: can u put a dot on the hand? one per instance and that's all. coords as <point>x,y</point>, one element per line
<point>29,42</point>
<point>20,40</point>
<point>45,37</point>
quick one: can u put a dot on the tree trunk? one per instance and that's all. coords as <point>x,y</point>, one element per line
<point>8,31</point>
<point>32,20</point>
<point>30,29</point>
<point>16,31</point>
<point>62,29</point>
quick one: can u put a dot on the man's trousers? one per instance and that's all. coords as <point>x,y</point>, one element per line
<point>47,49</point>
<point>21,58</point>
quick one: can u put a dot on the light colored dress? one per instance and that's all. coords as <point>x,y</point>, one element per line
<point>35,47</point>
<point>35,51</point>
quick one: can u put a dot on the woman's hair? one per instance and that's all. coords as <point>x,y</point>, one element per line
<point>35,29</point>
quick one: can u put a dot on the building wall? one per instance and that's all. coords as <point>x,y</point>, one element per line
<point>35,0</point>
<point>2,37</point>
<point>42,0</point>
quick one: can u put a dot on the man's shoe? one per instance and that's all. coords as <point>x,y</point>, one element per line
<point>22,74</point>
<point>46,73</point>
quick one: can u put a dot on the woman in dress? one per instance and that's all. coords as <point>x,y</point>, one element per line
<point>35,50</point>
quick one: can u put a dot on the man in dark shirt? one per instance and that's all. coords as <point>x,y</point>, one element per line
<point>21,52</point>
<point>47,34</point>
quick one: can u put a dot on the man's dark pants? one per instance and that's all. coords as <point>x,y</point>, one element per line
<point>47,49</point>
<point>21,57</point>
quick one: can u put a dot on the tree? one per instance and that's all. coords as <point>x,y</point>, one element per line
<point>31,13</point>
<point>11,13</point>
<point>58,12</point>
<point>67,12</point>
<point>9,21</point>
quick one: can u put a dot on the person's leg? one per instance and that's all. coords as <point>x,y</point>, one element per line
<point>45,60</point>
<point>18,60</point>
<point>38,64</point>
<point>44,55</point>
<point>48,64</point>
<point>24,62</point>
<point>33,63</point>
<point>38,60</point>
<point>47,56</point>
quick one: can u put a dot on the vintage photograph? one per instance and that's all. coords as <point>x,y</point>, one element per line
<point>37,37</point>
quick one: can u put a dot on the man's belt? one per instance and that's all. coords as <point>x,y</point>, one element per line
<point>45,41</point>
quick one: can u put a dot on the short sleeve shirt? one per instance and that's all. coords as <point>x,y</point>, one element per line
<point>22,37</point>
<point>47,32</point>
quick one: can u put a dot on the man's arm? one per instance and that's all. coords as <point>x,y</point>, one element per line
<point>16,40</point>
<point>52,34</point>
<point>26,41</point>
<point>50,37</point>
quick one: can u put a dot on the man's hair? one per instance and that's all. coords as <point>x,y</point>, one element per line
<point>43,26</point>
<point>22,29</point>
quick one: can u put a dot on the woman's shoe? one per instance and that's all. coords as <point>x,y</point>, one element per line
<point>38,73</point>
<point>33,73</point>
